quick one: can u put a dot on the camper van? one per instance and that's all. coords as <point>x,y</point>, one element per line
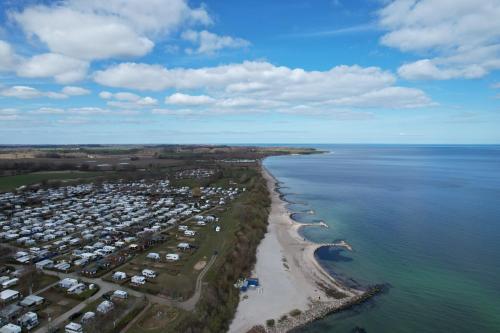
<point>87,316</point>
<point>138,280</point>
<point>9,283</point>
<point>153,256</point>
<point>149,273</point>
<point>189,233</point>
<point>120,294</point>
<point>11,328</point>
<point>77,289</point>
<point>172,257</point>
<point>119,276</point>
<point>183,246</point>
<point>28,320</point>
<point>73,328</point>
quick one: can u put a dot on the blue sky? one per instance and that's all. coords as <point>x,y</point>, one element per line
<point>178,71</point>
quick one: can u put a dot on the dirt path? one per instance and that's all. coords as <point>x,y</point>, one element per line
<point>133,321</point>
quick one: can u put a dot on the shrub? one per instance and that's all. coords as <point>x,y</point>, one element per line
<point>295,313</point>
<point>270,322</point>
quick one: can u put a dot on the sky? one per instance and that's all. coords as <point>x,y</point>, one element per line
<point>239,71</point>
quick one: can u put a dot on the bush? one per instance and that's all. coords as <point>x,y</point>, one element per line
<point>270,322</point>
<point>295,313</point>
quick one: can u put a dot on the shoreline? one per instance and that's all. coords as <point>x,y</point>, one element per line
<point>291,277</point>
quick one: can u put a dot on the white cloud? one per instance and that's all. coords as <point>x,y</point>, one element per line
<point>8,111</point>
<point>427,69</point>
<point>82,35</point>
<point>91,29</point>
<point>8,58</point>
<point>74,121</point>
<point>64,69</point>
<point>47,111</point>
<point>208,42</point>
<point>127,100</point>
<point>175,112</point>
<point>75,91</point>
<point>463,36</point>
<point>88,110</point>
<point>183,99</point>
<point>25,92</point>
<point>105,95</point>
<point>261,86</point>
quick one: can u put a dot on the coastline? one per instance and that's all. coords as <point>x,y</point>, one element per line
<point>291,277</point>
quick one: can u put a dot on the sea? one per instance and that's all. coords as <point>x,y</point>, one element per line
<point>423,221</point>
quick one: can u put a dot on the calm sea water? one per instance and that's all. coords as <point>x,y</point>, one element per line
<point>423,219</point>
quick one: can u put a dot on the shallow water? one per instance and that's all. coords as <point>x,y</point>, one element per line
<point>423,219</point>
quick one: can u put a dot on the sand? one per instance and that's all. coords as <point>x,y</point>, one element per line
<point>288,272</point>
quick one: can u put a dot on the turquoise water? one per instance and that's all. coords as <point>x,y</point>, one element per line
<point>423,219</point>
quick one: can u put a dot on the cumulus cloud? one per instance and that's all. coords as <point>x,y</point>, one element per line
<point>209,43</point>
<point>48,111</point>
<point>127,100</point>
<point>25,92</point>
<point>91,29</point>
<point>184,99</point>
<point>463,36</point>
<point>64,69</point>
<point>75,91</point>
<point>9,114</point>
<point>175,112</point>
<point>259,86</point>
<point>8,58</point>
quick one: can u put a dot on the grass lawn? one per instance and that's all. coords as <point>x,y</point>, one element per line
<point>8,183</point>
<point>43,280</point>
<point>57,303</point>
<point>177,279</point>
<point>159,319</point>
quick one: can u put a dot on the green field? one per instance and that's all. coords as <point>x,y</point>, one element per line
<point>8,183</point>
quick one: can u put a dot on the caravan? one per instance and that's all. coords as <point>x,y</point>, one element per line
<point>77,289</point>
<point>150,274</point>
<point>28,320</point>
<point>172,257</point>
<point>153,256</point>
<point>138,280</point>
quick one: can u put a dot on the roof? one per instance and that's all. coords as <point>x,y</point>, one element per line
<point>31,299</point>
<point>8,293</point>
<point>73,326</point>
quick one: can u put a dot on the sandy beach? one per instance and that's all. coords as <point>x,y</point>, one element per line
<point>289,275</point>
